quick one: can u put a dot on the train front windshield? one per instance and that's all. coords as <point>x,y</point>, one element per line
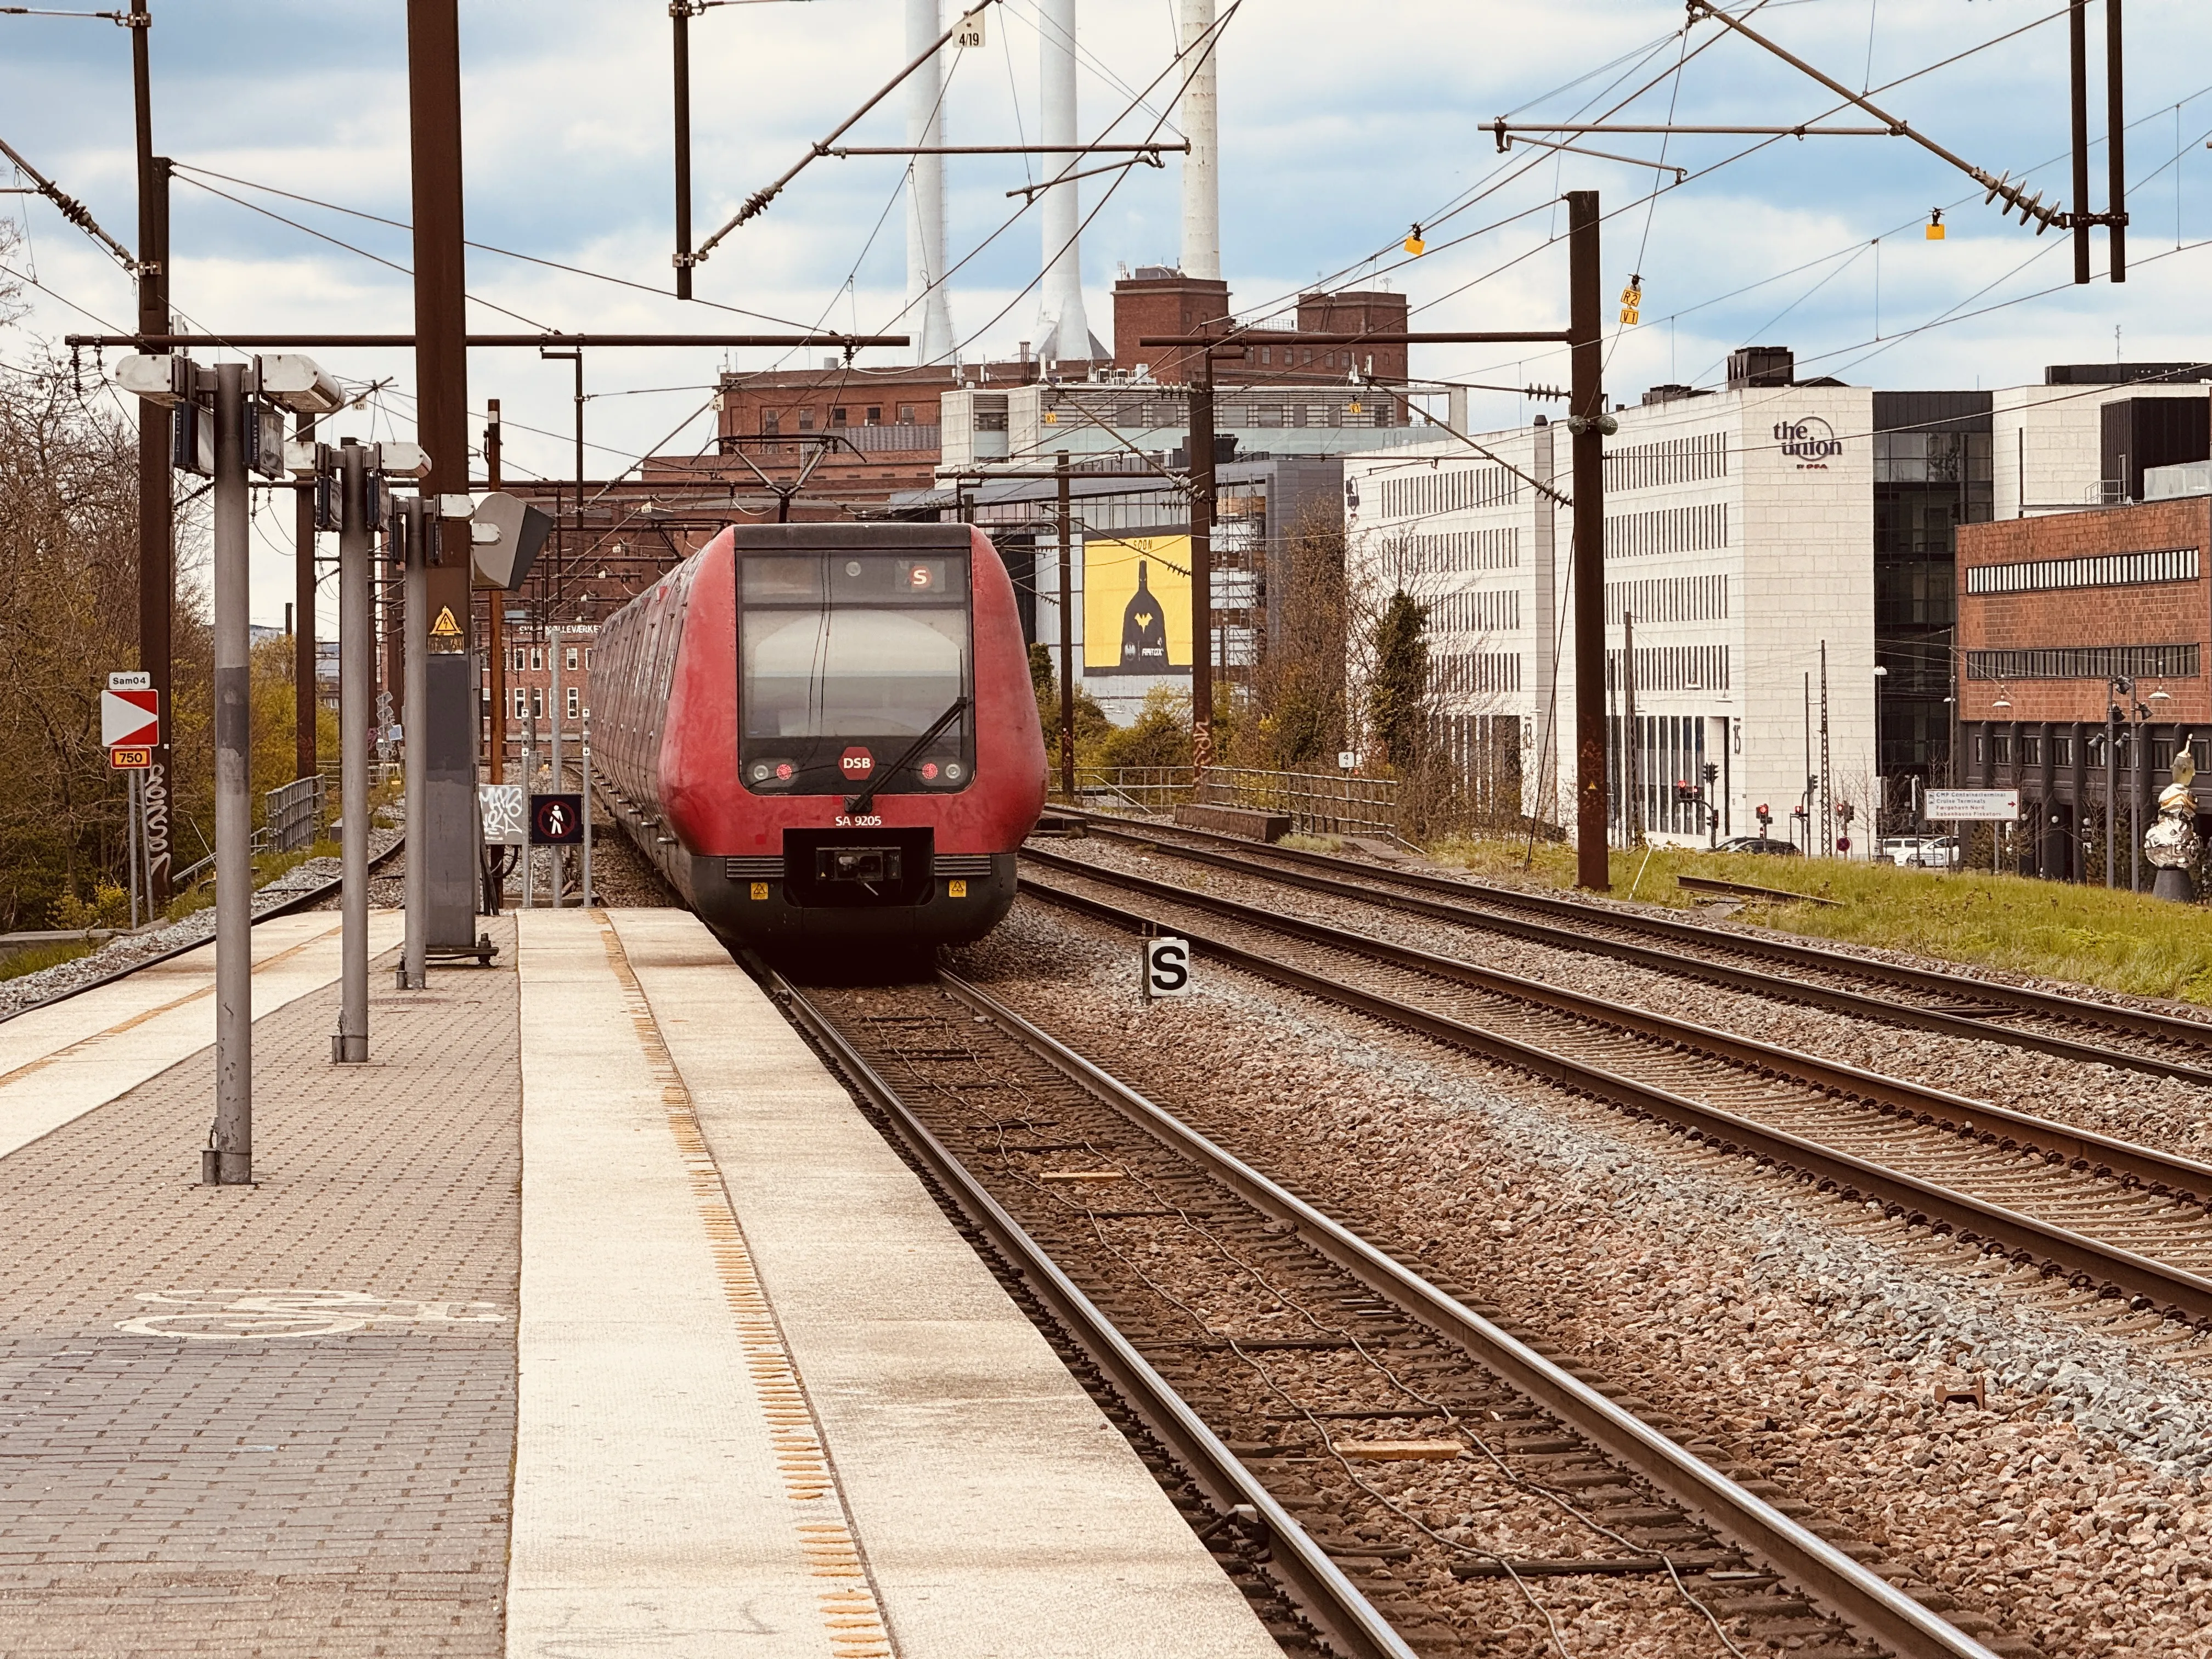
<point>846,658</point>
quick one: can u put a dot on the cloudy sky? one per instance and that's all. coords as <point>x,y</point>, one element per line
<point>1342,124</point>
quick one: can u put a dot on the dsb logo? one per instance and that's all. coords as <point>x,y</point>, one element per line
<point>856,763</point>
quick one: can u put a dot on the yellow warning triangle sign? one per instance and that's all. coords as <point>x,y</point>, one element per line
<point>444,628</point>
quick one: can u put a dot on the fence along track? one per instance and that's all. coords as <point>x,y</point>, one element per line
<point>1971,1009</point>
<point>1864,1602</point>
<point>2149,1213</point>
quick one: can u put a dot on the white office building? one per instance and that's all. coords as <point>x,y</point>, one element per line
<point>1738,527</point>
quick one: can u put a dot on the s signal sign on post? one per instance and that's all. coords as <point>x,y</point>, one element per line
<point>1166,968</point>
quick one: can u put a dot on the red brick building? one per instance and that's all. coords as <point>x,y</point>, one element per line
<point>2052,612</point>
<point>869,432</point>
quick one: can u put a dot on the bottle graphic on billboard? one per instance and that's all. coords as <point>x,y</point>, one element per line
<point>1143,629</point>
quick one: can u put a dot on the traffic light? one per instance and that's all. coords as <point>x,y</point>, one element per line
<point>1685,791</point>
<point>1712,771</point>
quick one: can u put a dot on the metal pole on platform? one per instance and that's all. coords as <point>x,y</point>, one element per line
<point>560,776</point>
<point>130,841</point>
<point>416,720</point>
<point>230,1159</point>
<point>306,759</point>
<point>529,789</point>
<point>585,738</point>
<point>351,1044</point>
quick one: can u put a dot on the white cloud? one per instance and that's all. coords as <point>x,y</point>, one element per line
<point>1342,124</point>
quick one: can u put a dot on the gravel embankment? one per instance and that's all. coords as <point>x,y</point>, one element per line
<point>2160,1112</point>
<point>1810,1337</point>
<point>30,989</point>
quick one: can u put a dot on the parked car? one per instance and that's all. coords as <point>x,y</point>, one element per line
<point>1756,844</point>
<point>1922,851</point>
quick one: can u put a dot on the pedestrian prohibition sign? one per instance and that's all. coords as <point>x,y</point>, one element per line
<point>556,820</point>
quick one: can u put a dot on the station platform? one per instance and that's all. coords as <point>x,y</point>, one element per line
<point>589,1316</point>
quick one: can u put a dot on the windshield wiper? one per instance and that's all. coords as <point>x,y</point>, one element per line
<point>856,805</point>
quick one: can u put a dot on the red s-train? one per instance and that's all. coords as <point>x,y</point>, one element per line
<point>825,736</point>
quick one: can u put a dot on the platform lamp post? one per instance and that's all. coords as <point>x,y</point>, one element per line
<point>227,420</point>
<point>350,494</point>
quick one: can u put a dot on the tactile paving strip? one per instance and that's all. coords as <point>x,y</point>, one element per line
<point>851,1614</point>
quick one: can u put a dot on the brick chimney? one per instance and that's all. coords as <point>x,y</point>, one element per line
<point>1159,301</point>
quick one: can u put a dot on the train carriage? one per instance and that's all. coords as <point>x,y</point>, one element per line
<point>825,735</point>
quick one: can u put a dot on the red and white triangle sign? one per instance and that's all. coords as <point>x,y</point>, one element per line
<point>129,719</point>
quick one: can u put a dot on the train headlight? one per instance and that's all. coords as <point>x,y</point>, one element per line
<point>954,771</point>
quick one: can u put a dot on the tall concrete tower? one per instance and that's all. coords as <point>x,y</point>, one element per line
<point>1061,330</point>
<point>929,310</point>
<point>1201,182</point>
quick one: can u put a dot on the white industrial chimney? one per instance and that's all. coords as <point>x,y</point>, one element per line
<point>929,309</point>
<point>1062,329</point>
<point>1201,183</point>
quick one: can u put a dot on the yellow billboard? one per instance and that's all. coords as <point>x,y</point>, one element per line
<point>1136,605</point>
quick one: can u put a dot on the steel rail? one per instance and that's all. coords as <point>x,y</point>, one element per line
<point>2174,1291</point>
<point>2082,1149</point>
<point>2140,1022</point>
<point>1863,1599</point>
<point>1857,1004</point>
<point>1315,1584</point>
<point>300,900</point>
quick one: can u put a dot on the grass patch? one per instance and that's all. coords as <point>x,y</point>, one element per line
<point>32,957</point>
<point>2118,940</point>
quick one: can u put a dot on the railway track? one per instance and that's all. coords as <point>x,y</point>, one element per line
<point>2113,1217</point>
<point>2065,1027</point>
<point>1324,1405</point>
<point>306,899</point>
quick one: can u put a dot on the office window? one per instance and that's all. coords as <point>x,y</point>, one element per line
<point>2062,750</point>
<point>576,703</point>
<point>2004,749</point>
<point>875,415</point>
<point>2030,749</point>
<point>906,414</point>
<point>571,664</point>
<point>771,422</point>
<point>806,419</point>
<point>587,659</point>
<point>836,417</point>
<point>537,658</point>
<point>537,703</point>
<point>521,703</point>
<point>1267,354</point>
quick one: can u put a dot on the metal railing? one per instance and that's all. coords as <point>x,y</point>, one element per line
<point>1133,788</point>
<point>291,815</point>
<point>1318,803</point>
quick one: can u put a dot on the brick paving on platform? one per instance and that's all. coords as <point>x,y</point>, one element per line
<point>277,1420</point>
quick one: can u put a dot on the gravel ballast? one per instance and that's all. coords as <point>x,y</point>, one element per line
<point>1812,1337</point>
